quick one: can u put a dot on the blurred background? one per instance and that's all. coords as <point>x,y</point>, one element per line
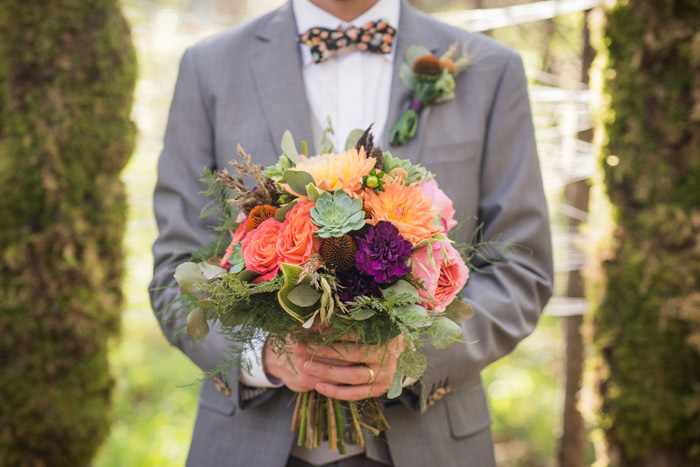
<point>545,397</point>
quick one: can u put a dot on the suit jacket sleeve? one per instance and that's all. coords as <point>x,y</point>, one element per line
<point>188,148</point>
<point>509,295</point>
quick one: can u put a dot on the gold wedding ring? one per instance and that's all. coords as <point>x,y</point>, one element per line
<point>371,375</point>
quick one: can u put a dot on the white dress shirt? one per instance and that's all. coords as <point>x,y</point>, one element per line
<point>352,88</point>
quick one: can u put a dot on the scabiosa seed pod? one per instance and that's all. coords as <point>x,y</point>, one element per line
<point>339,252</point>
<point>427,65</point>
<point>258,215</point>
<point>378,154</point>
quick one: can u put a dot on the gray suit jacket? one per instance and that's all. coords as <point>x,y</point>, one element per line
<point>245,86</point>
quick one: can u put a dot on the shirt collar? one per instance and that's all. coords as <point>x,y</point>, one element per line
<point>309,15</point>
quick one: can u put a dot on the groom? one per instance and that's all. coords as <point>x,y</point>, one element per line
<point>249,84</point>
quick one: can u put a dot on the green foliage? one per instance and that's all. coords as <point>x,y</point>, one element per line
<point>650,381</point>
<point>67,73</point>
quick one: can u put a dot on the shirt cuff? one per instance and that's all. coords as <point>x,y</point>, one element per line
<point>256,377</point>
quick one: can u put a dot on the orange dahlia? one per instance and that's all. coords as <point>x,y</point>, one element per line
<point>406,207</point>
<point>344,171</point>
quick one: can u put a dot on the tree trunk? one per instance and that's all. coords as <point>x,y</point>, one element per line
<point>573,440</point>
<point>648,320</point>
<point>67,73</point>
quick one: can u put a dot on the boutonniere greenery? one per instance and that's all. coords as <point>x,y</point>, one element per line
<point>432,80</point>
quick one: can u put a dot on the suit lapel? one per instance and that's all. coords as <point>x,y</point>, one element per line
<point>413,29</point>
<point>275,61</point>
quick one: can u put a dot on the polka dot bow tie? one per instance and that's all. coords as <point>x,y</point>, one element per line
<point>375,36</point>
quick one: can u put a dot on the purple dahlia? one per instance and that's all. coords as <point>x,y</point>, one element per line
<point>382,253</point>
<point>355,284</point>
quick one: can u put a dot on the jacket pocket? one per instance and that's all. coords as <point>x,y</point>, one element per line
<point>212,399</point>
<point>449,152</point>
<point>467,411</point>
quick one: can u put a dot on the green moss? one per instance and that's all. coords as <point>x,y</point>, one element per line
<point>67,73</point>
<point>651,379</point>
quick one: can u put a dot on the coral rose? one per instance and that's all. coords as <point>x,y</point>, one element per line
<point>236,237</point>
<point>444,281</point>
<point>296,241</point>
<point>260,249</point>
<point>442,201</point>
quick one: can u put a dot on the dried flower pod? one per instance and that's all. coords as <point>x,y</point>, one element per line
<point>366,140</point>
<point>427,65</point>
<point>339,252</point>
<point>378,153</point>
<point>258,215</point>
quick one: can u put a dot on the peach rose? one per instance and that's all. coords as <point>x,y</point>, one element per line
<point>442,201</point>
<point>296,241</point>
<point>236,237</point>
<point>444,281</point>
<point>259,249</point>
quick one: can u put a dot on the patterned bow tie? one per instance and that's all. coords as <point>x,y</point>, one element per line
<point>375,36</point>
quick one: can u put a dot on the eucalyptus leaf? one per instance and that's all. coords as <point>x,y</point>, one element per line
<point>362,314</point>
<point>406,75</point>
<point>304,295</point>
<point>444,332</point>
<point>189,277</point>
<point>247,275</point>
<point>281,213</point>
<point>291,275</point>
<point>413,316</point>
<point>297,180</point>
<point>197,325</point>
<point>413,363</point>
<point>395,389</point>
<point>414,52</point>
<point>211,271</point>
<point>353,138</point>
<point>313,192</point>
<point>458,311</point>
<point>289,148</point>
<point>401,287</point>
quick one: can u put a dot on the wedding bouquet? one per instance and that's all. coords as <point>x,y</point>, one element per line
<point>330,249</point>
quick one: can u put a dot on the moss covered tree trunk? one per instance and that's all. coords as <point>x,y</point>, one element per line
<point>67,73</point>
<point>648,322</point>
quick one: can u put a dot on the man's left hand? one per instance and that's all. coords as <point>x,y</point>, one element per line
<point>370,374</point>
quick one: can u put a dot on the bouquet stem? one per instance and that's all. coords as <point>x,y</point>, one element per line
<point>317,418</point>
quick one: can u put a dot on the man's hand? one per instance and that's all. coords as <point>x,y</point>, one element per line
<point>289,366</point>
<point>341,371</point>
<point>353,372</point>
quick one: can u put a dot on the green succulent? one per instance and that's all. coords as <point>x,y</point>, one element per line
<point>337,214</point>
<point>236,260</point>
<point>416,172</point>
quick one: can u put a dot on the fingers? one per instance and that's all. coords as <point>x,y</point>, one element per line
<point>358,353</point>
<point>351,393</point>
<point>354,375</point>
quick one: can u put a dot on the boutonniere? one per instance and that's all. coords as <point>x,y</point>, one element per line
<point>432,80</point>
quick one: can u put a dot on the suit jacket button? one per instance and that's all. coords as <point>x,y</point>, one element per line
<point>221,386</point>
